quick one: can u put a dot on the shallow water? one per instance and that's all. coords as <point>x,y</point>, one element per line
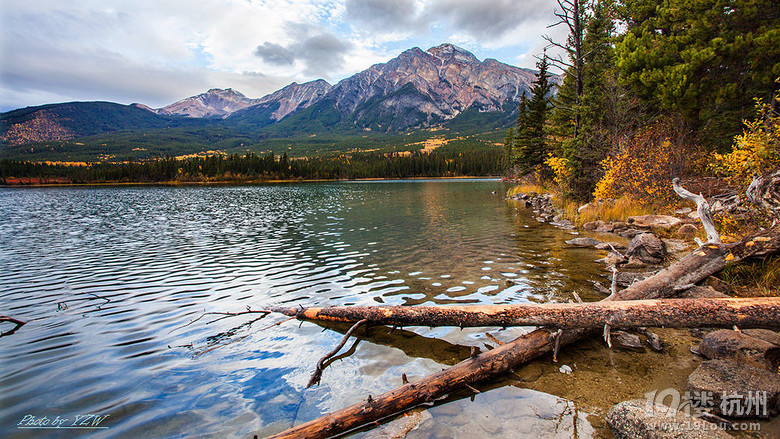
<point>112,280</point>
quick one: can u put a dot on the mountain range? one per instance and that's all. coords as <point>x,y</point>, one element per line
<point>445,88</point>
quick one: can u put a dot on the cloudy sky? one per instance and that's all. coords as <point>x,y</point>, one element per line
<point>159,51</point>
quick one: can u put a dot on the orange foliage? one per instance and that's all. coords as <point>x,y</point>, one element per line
<point>643,169</point>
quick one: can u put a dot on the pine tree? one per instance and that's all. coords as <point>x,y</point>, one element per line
<point>586,108</point>
<point>509,146</point>
<point>704,60</point>
<point>530,140</point>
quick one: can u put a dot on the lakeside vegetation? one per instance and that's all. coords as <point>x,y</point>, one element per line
<point>253,167</point>
<point>651,92</point>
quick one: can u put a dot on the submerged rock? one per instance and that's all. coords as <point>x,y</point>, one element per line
<point>726,344</point>
<point>584,242</point>
<point>625,340</point>
<point>638,419</point>
<point>736,390</point>
<point>653,340</point>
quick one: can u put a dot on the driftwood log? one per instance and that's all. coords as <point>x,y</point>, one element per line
<point>676,313</point>
<point>764,191</point>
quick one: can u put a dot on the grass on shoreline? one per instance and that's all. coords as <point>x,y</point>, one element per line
<point>610,210</point>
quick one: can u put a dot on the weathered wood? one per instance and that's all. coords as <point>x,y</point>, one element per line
<point>498,361</point>
<point>764,190</point>
<point>702,208</point>
<point>677,313</point>
<point>315,377</point>
<point>17,322</point>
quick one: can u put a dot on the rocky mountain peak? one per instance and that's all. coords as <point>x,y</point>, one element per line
<point>418,88</point>
<point>448,52</point>
<point>224,92</point>
<point>215,103</point>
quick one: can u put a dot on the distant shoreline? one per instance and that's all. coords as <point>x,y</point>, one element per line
<point>233,182</point>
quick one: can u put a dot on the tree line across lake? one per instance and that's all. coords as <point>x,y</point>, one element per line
<point>259,167</point>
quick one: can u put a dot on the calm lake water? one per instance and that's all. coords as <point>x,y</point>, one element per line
<point>112,278</point>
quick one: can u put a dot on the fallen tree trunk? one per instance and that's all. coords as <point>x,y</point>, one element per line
<point>676,313</point>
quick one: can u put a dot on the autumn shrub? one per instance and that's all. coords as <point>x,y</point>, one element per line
<point>756,150</point>
<point>643,169</point>
<point>561,170</point>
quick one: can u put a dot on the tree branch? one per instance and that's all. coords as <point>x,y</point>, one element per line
<point>16,322</point>
<point>315,377</point>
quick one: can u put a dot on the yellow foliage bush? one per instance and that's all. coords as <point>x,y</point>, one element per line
<point>562,171</point>
<point>757,149</point>
<point>643,169</point>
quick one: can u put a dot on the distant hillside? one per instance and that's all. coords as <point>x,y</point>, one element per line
<point>77,119</point>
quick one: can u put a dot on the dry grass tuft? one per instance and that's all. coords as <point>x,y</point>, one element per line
<point>758,278</point>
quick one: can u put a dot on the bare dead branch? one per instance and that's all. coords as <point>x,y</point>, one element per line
<point>16,322</point>
<point>224,315</point>
<point>490,336</point>
<point>315,377</point>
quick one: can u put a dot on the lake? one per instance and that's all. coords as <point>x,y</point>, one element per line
<point>115,283</point>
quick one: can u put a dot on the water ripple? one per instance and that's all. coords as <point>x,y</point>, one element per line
<point>113,280</point>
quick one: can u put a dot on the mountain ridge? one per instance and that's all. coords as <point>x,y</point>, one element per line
<point>445,87</point>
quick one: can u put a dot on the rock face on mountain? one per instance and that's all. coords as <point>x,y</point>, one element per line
<point>215,103</point>
<point>220,103</point>
<point>426,87</point>
<point>417,88</point>
<point>295,97</point>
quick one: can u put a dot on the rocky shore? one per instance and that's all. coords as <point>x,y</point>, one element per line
<point>740,378</point>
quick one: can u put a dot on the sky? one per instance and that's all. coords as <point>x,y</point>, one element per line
<point>157,52</point>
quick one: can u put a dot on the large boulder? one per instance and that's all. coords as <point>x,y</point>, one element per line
<point>639,419</point>
<point>592,225</point>
<point>648,248</point>
<point>735,390</point>
<point>726,344</point>
<point>687,231</point>
<point>649,221</point>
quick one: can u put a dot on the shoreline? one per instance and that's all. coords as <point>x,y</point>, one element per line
<point>238,182</point>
